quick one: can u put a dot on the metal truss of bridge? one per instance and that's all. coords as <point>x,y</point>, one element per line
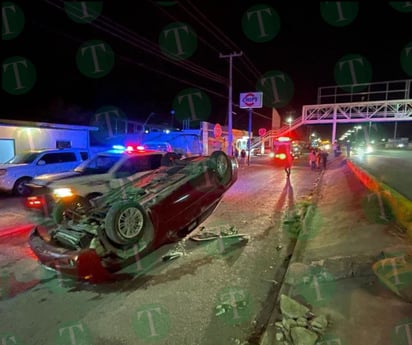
<point>389,101</point>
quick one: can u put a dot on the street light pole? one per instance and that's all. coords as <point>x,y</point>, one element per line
<point>147,120</point>
<point>229,122</point>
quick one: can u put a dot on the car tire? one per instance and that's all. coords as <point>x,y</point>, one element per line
<point>63,210</point>
<point>20,188</point>
<point>127,223</point>
<point>222,166</point>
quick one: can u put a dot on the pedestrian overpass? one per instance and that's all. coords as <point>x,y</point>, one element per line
<point>389,101</point>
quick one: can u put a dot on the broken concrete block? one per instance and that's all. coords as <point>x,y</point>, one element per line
<point>291,308</point>
<point>319,323</point>
<point>303,336</point>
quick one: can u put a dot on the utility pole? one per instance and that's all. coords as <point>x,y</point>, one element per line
<point>229,115</point>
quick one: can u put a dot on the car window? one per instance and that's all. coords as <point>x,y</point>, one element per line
<point>99,164</point>
<point>60,157</point>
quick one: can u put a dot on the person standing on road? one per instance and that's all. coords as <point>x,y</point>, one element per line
<point>243,157</point>
<point>324,158</point>
<point>286,160</point>
<point>312,159</point>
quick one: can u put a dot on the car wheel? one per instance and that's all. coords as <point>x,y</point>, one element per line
<point>20,188</point>
<point>73,209</point>
<point>222,166</point>
<point>127,223</point>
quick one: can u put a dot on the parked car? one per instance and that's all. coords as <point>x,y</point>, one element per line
<point>53,194</point>
<point>158,145</point>
<point>23,167</point>
<point>135,219</point>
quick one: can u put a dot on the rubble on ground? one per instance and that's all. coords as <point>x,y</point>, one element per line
<point>299,326</point>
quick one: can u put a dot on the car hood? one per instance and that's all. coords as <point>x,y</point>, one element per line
<point>8,166</point>
<point>46,179</point>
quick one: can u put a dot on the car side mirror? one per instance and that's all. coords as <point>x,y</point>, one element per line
<point>41,162</point>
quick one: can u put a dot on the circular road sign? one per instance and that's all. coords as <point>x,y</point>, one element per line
<point>262,131</point>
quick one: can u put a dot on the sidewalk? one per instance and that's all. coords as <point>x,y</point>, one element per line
<point>330,272</point>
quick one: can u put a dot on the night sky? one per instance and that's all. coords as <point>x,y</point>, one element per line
<point>139,69</point>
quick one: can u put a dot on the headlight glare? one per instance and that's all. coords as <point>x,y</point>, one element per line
<point>63,192</point>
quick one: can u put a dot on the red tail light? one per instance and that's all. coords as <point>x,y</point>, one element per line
<point>34,202</point>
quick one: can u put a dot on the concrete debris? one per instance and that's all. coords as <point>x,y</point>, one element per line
<point>303,336</point>
<point>172,256</point>
<point>299,326</point>
<point>292,309</point>
<point>219,232</point>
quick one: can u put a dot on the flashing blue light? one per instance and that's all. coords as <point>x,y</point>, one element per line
<point>118,147</point>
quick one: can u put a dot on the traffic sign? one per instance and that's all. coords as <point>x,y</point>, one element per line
<point>250,100</point>
<point>262,131</point>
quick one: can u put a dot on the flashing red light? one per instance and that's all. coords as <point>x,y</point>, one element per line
<point>134,148</point>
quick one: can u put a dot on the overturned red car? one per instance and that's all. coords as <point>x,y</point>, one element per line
<point>133,220</point>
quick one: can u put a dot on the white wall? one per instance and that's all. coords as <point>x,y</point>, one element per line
<point>29,138</point>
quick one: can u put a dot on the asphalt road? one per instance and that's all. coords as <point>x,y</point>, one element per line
<point>216,292</point>
<point>392,167</point>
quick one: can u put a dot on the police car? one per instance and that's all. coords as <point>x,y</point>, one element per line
<point>52,193</point>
